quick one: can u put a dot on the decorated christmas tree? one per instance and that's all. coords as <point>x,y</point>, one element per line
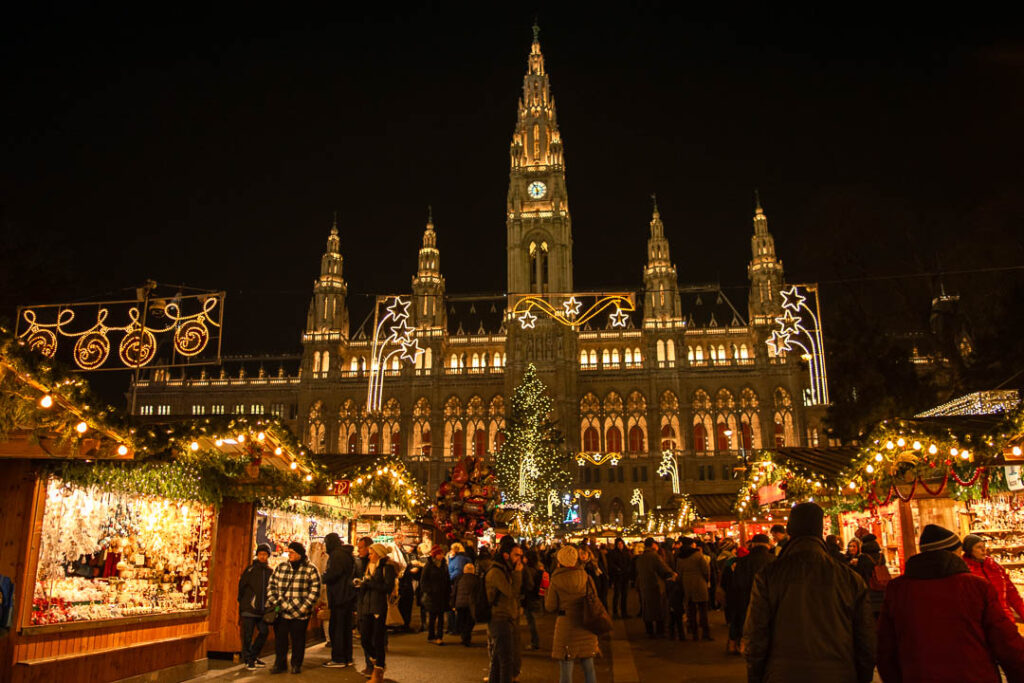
<point>531,463</point>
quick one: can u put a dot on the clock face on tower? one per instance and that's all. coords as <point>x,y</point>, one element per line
<point>537,189</point>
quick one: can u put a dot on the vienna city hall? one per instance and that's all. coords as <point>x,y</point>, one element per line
<point>632,374</point>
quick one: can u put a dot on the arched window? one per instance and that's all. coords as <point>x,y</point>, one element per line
<point>613,440</point>
<point>636,439</point>
<point>689,353</point>
<point>698,354</point>
<point>583,358</point>
<point>591,440</point>
<point>325,364</point>
<point>428,358</point>
<point>396,442</point>
<point>670,350</point>
<point>722,438</point>
<point>615,356</point>
<point>425,441</point>
<point>721,353</point>
<point>700,438</point>
<point>712,353</point>
<point>660,346</point>
<point>606,357</point>
<point>316,361</point>
<point>668,437</point>
<point>396,363</point>
<point>476,360</point>
<point>629,356</point>
<point>743,352</point>
<point>480,442</point>
<point>354,366</point>
<point>374,442</point>
<point>454,361</point>
<point>499,439</point>
<point>353,443</point>
<point>458,443</point>
<point>785,434</point>
<point>637,358</point>
<point>483,359</point>
<point>745,431</point>
<point>780,433</point>
<point>593,356</point>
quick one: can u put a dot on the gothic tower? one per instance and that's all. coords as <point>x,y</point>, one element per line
<point>661,300</point>
<point>327,319</point>
<point>764,271</point>
<point>538,224</point>
<point>428,283</point>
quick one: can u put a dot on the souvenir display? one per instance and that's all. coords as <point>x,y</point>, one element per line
<point>1000,521</point>
<point>278,528</point>
<point>109,555</point>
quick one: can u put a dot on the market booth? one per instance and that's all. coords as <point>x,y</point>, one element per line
<point>115,539</point>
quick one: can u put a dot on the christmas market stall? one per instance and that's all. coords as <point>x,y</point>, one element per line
<point>111,534</point>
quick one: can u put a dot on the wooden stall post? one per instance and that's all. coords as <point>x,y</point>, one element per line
<point>232,553</point>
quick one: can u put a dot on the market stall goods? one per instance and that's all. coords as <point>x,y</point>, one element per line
<point>106,555</point>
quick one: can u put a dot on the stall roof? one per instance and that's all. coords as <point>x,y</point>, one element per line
<point>827,461</point>
<point>711,505</point>
<point>340,464</point>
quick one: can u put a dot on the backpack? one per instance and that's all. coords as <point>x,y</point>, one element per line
<point>880,577</point>
<point>481,605</point>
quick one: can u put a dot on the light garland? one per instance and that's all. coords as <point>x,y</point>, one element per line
<point>587,493</point>
<point>398,334</point>
<point>388,483</point>
<point>598,458</point>
<point>638,501</point>
<point>792,330</point>
<point>568,313</point>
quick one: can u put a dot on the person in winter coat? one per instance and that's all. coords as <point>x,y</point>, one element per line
<point>465,590</point>
<point>781,538</point>
<point>809,619</point>
<point>375,587</point>
<point>835,546</point>
<point>532,573</point>
<point>503,585</point>
<point>871,556</point>
<point>981,564</point>
<point>852,551</point>
<point>940,623</point>
<point>341,597</point>
<point>618,572</point>
<point>252,603</point>
<point>294,590</point>
<point>456,561</point>
<point>565,596</point>
<point>741,583</point>
<point>694,574</point>
<point>435,589</point>
<point>651,575</point>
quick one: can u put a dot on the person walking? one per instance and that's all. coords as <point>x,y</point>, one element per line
<point>456,561</point>
<point>741,583</point>
<point>341,598</point>
<point>809,619</point>
<point>434,593</point>
<point>651,575</point>
<point>694,573</point>
<point>503,585</point>
<point>532,574</point>
<point>940,623</point>
<point>878,577</point>
<point>294,590</point>
<point>572,641</point>
<point>465,589</point>
<point>375,587</point>
<point>618,571</point>
<point>252,603</point>
<point>981,564</point>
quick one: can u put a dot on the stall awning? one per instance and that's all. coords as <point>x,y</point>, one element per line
<point>827,461</point>
<point>712,505</point>
<point>340,465</point>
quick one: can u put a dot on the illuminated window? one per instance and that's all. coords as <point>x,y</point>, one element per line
<point>590,440</point>
<point>613,440</point>
<point>636,439</point>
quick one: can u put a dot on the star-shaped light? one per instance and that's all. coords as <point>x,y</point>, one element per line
<point>572,307</point>
<point>618,318</point>
<point>399,309</point>
<point>779,341</point>
<point>789,323</point>
<point>792,298</point>
<point>401,332</point>
<point>527,320</point>
<point>410,350</point>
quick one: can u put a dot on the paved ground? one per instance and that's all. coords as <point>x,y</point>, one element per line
<point>629,656</point>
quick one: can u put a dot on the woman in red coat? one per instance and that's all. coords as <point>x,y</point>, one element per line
<point>978,561</point>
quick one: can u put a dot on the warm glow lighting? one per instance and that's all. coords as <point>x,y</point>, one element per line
<point>294,465</point>
<point>81,427</point>
<point>878,457</point>
<point>901,442</point>
<point>218,443</point>
<point>870,469</point>
<point>122,450</point>
<point>853,485</point>
<point>933,449</point>
<point>917,445</point>
<point>261,436</point>
<point>46,401</point>
<point>953,451</point>
<point>241,438</point>
<point>965,454</point>
<point>1016,450</point>
<point>278,451</point>
<point>890,445</point>
<point>194,445</point>
<point>309,477</point>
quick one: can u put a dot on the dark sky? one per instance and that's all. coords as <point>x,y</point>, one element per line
<point>212,149</point>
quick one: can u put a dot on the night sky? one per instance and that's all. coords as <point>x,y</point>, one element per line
<point>212,150</point>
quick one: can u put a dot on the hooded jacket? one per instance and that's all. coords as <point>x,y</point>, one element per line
<point>940,624</point>
<point>694,574</point>
<point>504,588</point>
<point>252,589</point>
<point>338,575</point>
<point>809,619</point>
<point>1009,597</point>
<point>435,586</point>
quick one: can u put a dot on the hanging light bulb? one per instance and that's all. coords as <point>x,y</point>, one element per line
<point>294,465</point>
<point>953,451</point>
<point>218,443</point>
<point>917,445</point>
<point>194,446</point>
<point>241,438</point>
<point>965,455</point>
<point>870,469</point>
<point>878,457</point>
<point>278,451</point>
<point>309,477</point>
<point>261,436</point>
<point>122,450</point>
<point>933,449</point>
<point>1016,450</point>
<point>81,427</point>
<point>901,442</point>
<point>853,485</point>
<point>46,401</point>
<point>890,445</point>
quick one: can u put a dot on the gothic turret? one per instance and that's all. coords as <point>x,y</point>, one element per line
<point>661,301</point>
<point>538,225</point>
<point>327,309</point>
<point>765,271</point>
<point>428,283</point>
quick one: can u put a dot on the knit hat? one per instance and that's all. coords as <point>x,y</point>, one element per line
<point>298,548</point>
<point>568,556</point>
<point>778,529</point>
<point>970,541</point>
<point>437,550</point>
<point>687,542</point>
<point>806,519</point>
<point>263,548</point>
<point>935,537</point>
<point>760,538</point>
<point>379,549</point>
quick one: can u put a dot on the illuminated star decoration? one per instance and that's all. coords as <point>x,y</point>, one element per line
<point>779,341</point>
<point>789,323</point>
<point>792,298</point>
<point>411,349</point>
<point>399,309</point>
<point>618,318</point>
<point>572,307</point>
<point>527,320</point>
<point>401,332</point>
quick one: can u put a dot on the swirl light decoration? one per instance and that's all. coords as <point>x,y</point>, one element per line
<point>567,309</point>
<point>392,336</point>
<point>598,458</point>
<point>189,334</point>
<point>799,327</point>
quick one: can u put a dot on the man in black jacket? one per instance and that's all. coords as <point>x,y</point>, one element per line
<point>619,565</point>
<point>252,601</point>
<point>341,598</point>
<point>738,581</point>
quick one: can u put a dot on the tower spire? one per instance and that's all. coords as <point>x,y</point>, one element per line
<point>428,283</point>
<point>661,302</point>
<point>765,270</point>
<point>327,309</point>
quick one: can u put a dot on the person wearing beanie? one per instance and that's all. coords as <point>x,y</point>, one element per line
<point>652,573</point>
<point>572,641</point>
<point>872,567</point>
<point>341,599</point>
<point>294,590</point>
<point>375,586</point>
<point>939,622</point>
<point>809,618</point>
<point>252,601</point>
<point>981,564</point>
<point>435,589</point>
<point>694,572</point>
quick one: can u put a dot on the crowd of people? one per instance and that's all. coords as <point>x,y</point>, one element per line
<point>797,605</point>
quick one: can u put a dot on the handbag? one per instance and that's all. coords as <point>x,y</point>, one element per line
<point>595,617</point>
<point>271,616</point>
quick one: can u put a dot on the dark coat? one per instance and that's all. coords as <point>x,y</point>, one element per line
<point>338,574</point>
<point>619,564</point>
<point>809,620</point>
<point>651,574</point>
<point>465,588</point>
<point>741,581</point>
<point>252,589</point>
<point>694,574</point>
<point>435,587</point>
<point>940,624</point>
<point>375,590</point>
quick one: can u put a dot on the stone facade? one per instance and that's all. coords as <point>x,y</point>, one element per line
<point>688,372</point>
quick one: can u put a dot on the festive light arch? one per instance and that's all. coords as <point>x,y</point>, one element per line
<point>567,309</point>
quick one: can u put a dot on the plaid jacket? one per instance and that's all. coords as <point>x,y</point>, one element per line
<point>294,591</point>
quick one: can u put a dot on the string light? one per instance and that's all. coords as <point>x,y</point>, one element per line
<point>278,451</point>
<point>46,401</point>
<point>81,427</point>
<point>792,328</point>
<point>194,446</point>
<point>294,465</point>
<point>567,314</point>
<point>122,450</point>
